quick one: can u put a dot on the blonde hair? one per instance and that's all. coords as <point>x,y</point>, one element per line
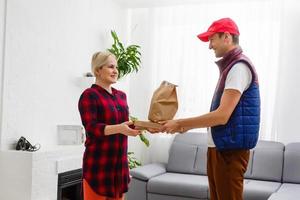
<point>99,59</point>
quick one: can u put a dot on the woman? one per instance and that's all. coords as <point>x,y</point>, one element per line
<point>104,115</point>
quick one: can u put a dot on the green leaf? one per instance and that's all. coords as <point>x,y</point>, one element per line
<point>132,161</point>
<point>144,140</point>
<point>132,118</point>
<point>128,58</point>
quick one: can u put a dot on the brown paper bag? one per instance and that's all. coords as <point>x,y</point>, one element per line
<point>164,105</point>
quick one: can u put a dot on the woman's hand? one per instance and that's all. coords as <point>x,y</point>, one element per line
<point>126,130</point>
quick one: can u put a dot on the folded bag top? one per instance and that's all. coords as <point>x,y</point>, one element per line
<point>164,103</point>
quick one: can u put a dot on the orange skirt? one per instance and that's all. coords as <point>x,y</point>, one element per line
<point>89,194</point>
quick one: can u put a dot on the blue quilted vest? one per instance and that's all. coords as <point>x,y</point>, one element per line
<point>242,128</point>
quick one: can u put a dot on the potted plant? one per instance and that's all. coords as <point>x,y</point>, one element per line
<point>129,60</point>
<point>133,161</point>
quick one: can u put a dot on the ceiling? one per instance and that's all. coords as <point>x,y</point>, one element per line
<point>153,3</point>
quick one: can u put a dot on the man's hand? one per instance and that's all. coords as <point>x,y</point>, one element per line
<point>172,126</point>
<point>153,131</point>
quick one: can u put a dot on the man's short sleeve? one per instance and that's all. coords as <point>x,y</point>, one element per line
<point>239,77</point>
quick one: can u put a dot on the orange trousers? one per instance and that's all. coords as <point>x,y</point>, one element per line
<point>89,194</point>
<point>225,170</point>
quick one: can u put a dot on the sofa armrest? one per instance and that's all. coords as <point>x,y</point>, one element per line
<point>148,171</point>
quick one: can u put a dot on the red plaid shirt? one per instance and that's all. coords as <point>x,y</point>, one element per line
<point>105,165</point>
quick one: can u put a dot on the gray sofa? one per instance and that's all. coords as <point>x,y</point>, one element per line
<point>273,172</point>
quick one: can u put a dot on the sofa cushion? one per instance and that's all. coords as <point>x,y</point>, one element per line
<point>186,185</point>
<point>250,164</point>
<point>291,173</point>
<point>264,144</point>
<point>267,161</point>
<point>181,158</point>
<point>192,138</point>
<point>188,153</point>
<point>148,171</point>
<point>137,189</point>
<point>151,196</point>
<point>259,190</point>
<point>201,160</point>
<point>287,191</point>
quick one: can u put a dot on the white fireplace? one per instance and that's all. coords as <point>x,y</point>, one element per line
<point>34,175</point>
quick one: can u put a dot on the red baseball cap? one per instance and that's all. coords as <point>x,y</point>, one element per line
<point>220,26</point>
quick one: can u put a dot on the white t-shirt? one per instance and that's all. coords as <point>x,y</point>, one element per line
<point>238,78</point>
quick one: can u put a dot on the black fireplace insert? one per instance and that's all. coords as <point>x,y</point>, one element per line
<point>70,185</point>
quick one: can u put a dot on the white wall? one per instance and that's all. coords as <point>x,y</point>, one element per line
<point>288,107</point>
<point>2,31</point>
<point>49,44</point>
<point>140,86</point>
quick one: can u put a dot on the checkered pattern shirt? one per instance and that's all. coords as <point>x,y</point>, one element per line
<point>105,165</point>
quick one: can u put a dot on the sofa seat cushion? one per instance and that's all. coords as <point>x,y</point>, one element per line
<point>186,185</point>
<point>287,191</point>
<point>259,190</point>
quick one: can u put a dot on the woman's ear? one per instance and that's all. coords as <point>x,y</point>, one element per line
<point>98,72</point>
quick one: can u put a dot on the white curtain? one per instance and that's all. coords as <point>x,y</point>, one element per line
<point>171,51</point>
